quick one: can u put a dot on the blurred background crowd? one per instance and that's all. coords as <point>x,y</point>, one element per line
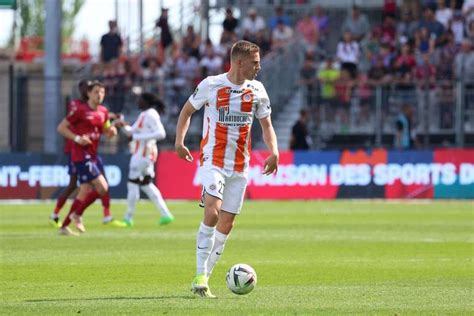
<point>338,76</point>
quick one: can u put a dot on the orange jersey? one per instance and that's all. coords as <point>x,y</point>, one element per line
<point>228,116</point>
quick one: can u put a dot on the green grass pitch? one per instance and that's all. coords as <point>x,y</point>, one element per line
<point>324,258</point>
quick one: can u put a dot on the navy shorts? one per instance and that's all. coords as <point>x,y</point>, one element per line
<point>89,169</point>
<point>71,167</point>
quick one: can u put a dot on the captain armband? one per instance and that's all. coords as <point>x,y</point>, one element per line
<point>107,124</point>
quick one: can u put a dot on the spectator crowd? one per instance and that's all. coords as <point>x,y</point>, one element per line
<point>173,67</point>
<point>414,51</point>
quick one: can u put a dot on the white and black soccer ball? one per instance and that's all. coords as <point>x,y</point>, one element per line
<point>241,279</point>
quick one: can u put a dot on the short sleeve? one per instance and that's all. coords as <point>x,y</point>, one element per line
<point>70,105</point>
<point>106,113</point>
<point>74,113</point>
<point>200,96</point>
<point>263,107</point>
<point>152,120</point>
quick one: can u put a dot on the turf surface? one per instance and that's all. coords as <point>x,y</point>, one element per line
<point>337,257</point>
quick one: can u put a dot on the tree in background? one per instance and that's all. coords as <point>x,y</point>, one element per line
<point>31,16</point>
<point>71,9</point>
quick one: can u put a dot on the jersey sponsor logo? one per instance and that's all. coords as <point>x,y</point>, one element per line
<point>227,119</point>
<point>249,85</point>
<point>240,91</point>
<point>195,92</point>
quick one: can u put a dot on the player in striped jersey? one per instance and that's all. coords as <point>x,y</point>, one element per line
<point>143,135</point>
<point>230,102</point>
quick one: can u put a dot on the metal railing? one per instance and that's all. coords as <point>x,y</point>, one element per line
<point>278,73</point>
<point>441,116</point>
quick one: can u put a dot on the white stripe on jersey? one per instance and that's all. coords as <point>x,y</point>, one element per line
<point>146,130</point>
<point>228,117</point>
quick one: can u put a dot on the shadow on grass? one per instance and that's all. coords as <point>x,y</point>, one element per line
<point>110,298</point>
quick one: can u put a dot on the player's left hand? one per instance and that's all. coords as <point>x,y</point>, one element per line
<point>119,123</point>
<point>271,165</point>
<point>111,132</point>
<point>115,116</point>
<point>184,153</point>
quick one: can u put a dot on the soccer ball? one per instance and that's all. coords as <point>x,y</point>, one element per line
<point>241,279</point>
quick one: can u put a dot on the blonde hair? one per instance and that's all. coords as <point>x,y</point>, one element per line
<point>243,48</point>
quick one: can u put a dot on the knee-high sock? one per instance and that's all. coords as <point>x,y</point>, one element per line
<point>155,196</point>
<point>204,244</point>
<point>76,205</point>
<point>217,250</point>
<point>106,204</point>
<point>59,204</point>
<point>88,200</point>
<point>62,199</point>
<point>133,195</point>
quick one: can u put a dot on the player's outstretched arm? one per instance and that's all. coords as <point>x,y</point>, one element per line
<point>158,130</point>
<point>270,139</point>
<point>181,129</point>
